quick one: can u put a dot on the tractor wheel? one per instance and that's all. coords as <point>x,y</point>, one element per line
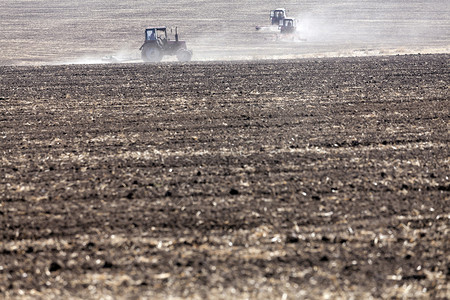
<point>151,54</point>
<point>184,55</point>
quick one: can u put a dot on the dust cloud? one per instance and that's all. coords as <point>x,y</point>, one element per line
<point>120,56</point>
<point>377,23</point>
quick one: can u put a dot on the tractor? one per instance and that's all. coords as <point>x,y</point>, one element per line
<point>277,16</point>
<point>157,44</point>
<point>288,26</point>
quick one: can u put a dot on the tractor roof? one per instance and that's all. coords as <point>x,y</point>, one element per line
<point>157,28</point>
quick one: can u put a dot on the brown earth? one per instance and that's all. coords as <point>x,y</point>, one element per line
<point>294,179</point>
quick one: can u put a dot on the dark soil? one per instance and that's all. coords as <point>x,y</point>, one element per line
<point>294,179</point>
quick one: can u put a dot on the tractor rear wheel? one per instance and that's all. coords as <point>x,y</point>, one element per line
<point>184,55</point>
<point>151,53</point>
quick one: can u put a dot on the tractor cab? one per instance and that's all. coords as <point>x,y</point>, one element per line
<point>277,16</point>
<point>288,25</point>
<point>153,34</point>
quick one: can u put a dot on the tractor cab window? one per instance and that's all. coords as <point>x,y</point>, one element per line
<point>277,14</point>
<point>288,23</point>
<point>162,34</point>
<point>151,35</point>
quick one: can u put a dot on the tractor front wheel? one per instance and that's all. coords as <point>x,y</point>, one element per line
<point>151,54</point>
<point>184,55</point>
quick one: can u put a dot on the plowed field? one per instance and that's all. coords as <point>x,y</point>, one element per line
<point>296,179</point>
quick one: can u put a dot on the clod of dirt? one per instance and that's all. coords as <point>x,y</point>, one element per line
<point>234,191</point>
<point>54,266</point>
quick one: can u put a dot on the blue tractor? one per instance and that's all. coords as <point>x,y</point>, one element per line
<point>157,45</point>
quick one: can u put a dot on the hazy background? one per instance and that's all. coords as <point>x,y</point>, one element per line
<point>48,32</point>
